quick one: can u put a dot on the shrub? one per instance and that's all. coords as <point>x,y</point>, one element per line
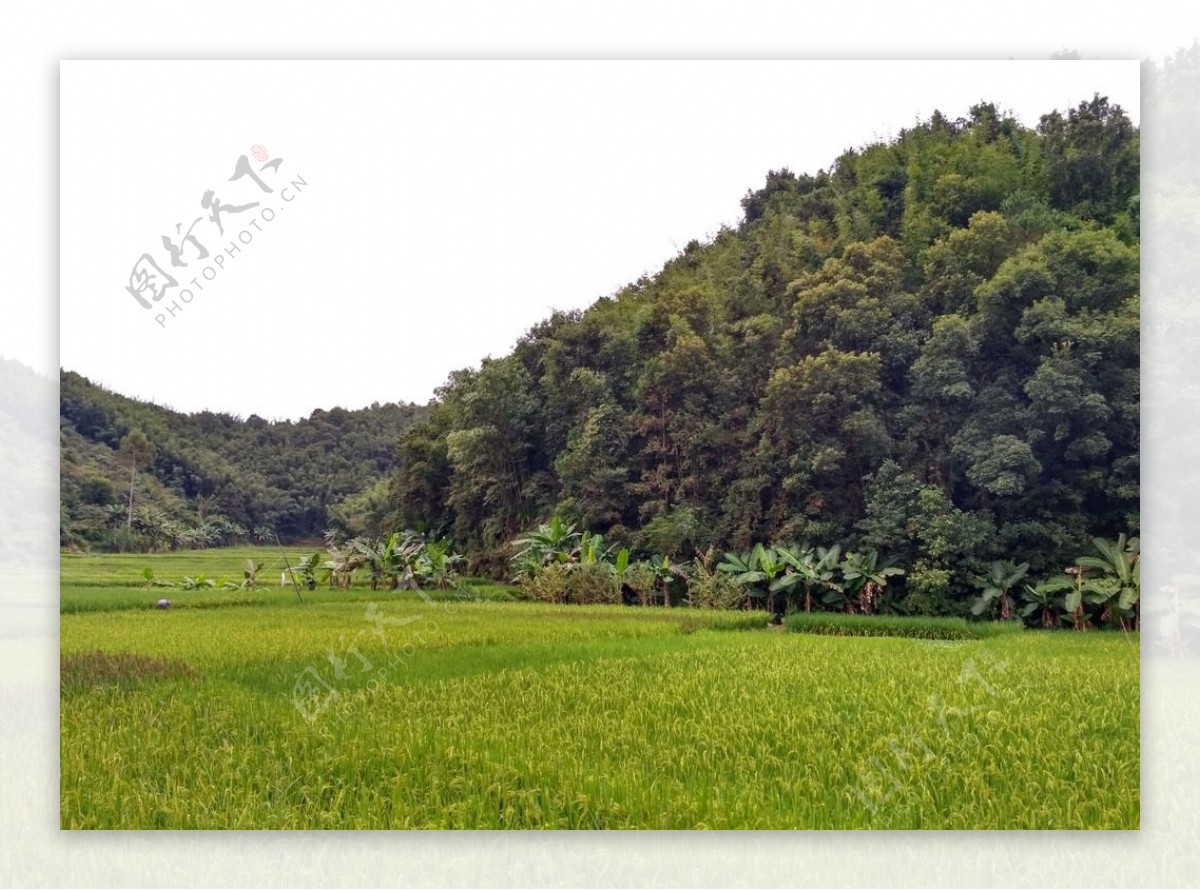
<point>641,577</point>
<point>125,540</point>
<point>928,590</point>
<point>548,585</point>
<point>709,589</point>
<point>572,583</point>
<point>594,583</point>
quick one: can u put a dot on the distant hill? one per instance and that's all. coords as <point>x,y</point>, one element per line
<point>210,478</point>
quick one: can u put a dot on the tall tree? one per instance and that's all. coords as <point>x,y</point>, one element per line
<point>136,451</point>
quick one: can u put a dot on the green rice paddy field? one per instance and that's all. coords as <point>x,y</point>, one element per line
<point>363,709</point>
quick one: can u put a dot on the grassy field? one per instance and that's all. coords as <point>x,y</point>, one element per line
<point>377,710</point>
<point>115,581</point>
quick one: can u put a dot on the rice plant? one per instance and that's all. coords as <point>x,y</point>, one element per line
<point>460,712</point>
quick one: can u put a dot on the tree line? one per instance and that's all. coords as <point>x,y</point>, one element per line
<point>558,563</point>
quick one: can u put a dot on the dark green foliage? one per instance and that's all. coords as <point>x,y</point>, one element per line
<point>208,479</point>
<point>1091,159</point>
<point>929,351</point>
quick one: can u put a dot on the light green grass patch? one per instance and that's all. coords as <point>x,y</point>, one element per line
<point>503,717</point>
<point>477,714</point>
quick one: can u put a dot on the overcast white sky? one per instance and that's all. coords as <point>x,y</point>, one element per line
<point>449,206</point>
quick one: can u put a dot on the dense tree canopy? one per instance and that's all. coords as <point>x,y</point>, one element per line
<point>930,349</point>
<point>211,471</point>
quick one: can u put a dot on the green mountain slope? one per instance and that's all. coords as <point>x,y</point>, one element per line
<point>212,478</point>
<point>930,349</point>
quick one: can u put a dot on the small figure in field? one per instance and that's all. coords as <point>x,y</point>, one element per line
<point>163,604</point>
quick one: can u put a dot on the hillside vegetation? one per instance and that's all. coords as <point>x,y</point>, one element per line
<point>928,352</point>
<point>204,479</point>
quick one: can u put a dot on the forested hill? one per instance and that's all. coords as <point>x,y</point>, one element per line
<point>930,349</point>
<point>203,479</point>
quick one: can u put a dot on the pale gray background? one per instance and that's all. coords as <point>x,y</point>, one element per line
<point>33,853</point>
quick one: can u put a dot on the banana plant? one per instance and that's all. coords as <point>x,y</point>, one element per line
<point>436,565</point>
<point>745,570</point>
<point>390,563</point>
<point>591,549</point>
<point>372,558</point>
<point>807,568</point>
<point>200,582</point>
<point>1117,589</point>
<point>249,577</point>
<point>342,563</point>
<point>1044,601</point>
<point>552,542</point>
<point>666,574</point>
<point>997,587</point>
<point>798,561</point>
<point>1073,601</point>
<point>151,581</point>
<point>864,579</point>
<point>756,570</point>
<point>308,571</point>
